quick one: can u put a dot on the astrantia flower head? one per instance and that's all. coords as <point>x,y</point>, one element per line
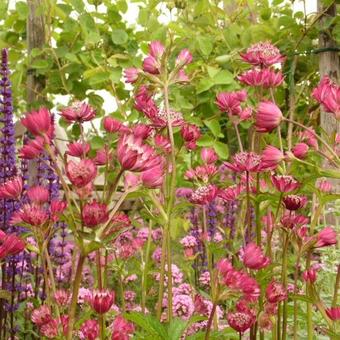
<point>231,193</point>
<point>209,155</point>
<point>190,133</point>
<point>253,257</point>
<point>294,202</point>
<point>94,213</point>
<point>38,194</point>
<point>204,194</point>
<point>268,117</point>
<point>41,315</point>
<point>326,237</point>
<point>89,330</point>
<point>122,329</point>
<point>11,189</point>
<point>241,321</point>
<point>276,292</point>
<point>78,112</point>
<point>10,244</point>
<point>102,300</point>
<point>333,313</point>
<point>32,149</point>
<point>300,150</point>
<point>39,123</point>
<point>32,214</point>
<point>266,78</point>
<point>262,54</point>
<point>245,161</point>
<point>327,93</point>
<point>284,183</point>
<point>81,173</point>
<point>131,74</point>
<point>134,155</point>
<point>271,157</point>
<point>78,149</point>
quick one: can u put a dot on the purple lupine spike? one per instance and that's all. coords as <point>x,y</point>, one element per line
<point>212,219</point>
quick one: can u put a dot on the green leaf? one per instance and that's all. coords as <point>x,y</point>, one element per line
<point>204,85</point>
<point>224,77</point>
<point>206,140</point>
<point>176,329</point>
<point>40,64</point>
<point>149,324</point>
<point>301,298</point>
<point>205,45</point>
<point>119,37</point>
<point>97,143</point>
<point>214,127</point>
<point>221,149</point>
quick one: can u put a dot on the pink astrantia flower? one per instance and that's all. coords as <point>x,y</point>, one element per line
<point>10,244</point>
<point>309,136</point>
<point>333,313</point>
<point>300,150</point>
<point>94,213</point>
<point>122,329</point>
<point>32,214</point>
<point>310,275</point>
<point>11,189</point>
<point>151,65</point>
<point>102,157</point>
<point>262,54</point>
<point>241,321</point>
<point>78,112</point>
<point>131,74</point>
<point>190,133</point>
<point>163,143</point>
<point>266,78</point>
<point>284,183</point>
<point>204,194</point>
<point>39,123</point>
<point>327,93</point>
<point>78,149</point>
<point>112,125</point>
<point>294,202</point>
<point>81,173</point>
<point>134,155</point>
<point>102,300</point>
<point>245,161</point>
<point>142,130</point>
<point>276,292</point>
<point>154,177</point>
<point>156,49</point>
<point>62,297</point>
<point>38,194</point>
<point>325,186</point>
<point>326,237</point>
<point>184,57</point>
<point>271,157</point>
<point>32,149</point>
<point>41,315</point>
<point>50,329</point>
<point>231,193</point>
<point>268,116</point>
<point>208,155</point>
<point>253,257</point>
<point>89,330</point>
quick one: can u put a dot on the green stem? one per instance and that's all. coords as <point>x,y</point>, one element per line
<point>162,274</point>
<point>211,317</point>
<point>146,268</point>
<point>73,305</point>
<point>296,276</point>
<point>336,288</point>
<point>238,137</point>
<point>257,214</point>
<point>284,282</point>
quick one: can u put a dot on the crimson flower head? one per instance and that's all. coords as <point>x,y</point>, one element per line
<point>131,74</point>
<point>300,150</point>
<point>10,244</point>
<point>11,189</point>
<point>184,57</point>
<point>134,155</point>
<point>204,194</point>
<point>190,133</point>
<point>102,300</point>
<point>262,54</point>
<point>241,320</point>
<point>268,117</point>
<point>78,112</point>
<point>284,183</point>
<point>122,329</point>
<point>81,173</point>
<point>253,257</point>
<point>271,157</point>
<point>333,313</point>
<point>38,194</point>
<point>327,93</point>
<point>78,149</point>
<point>94,213</point>
<point>208,155</point>
<point>156,49</point>
<point>142,130</point>
<point>310,275</point>
<point>39,123</point>
<point>245,161</point>
<point>32,149</point>
<point>163,143</point>
<point>276,292</point>
<point>326,237</point>
<point>231,193</point>
<point>89,330</point>
<point>42,315</point>
<point>154,177</point>
<point>112,125</point>
<point>32,214</point>
<point>266,78</point>
<point>151,65</point>
<point>294,202</point>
